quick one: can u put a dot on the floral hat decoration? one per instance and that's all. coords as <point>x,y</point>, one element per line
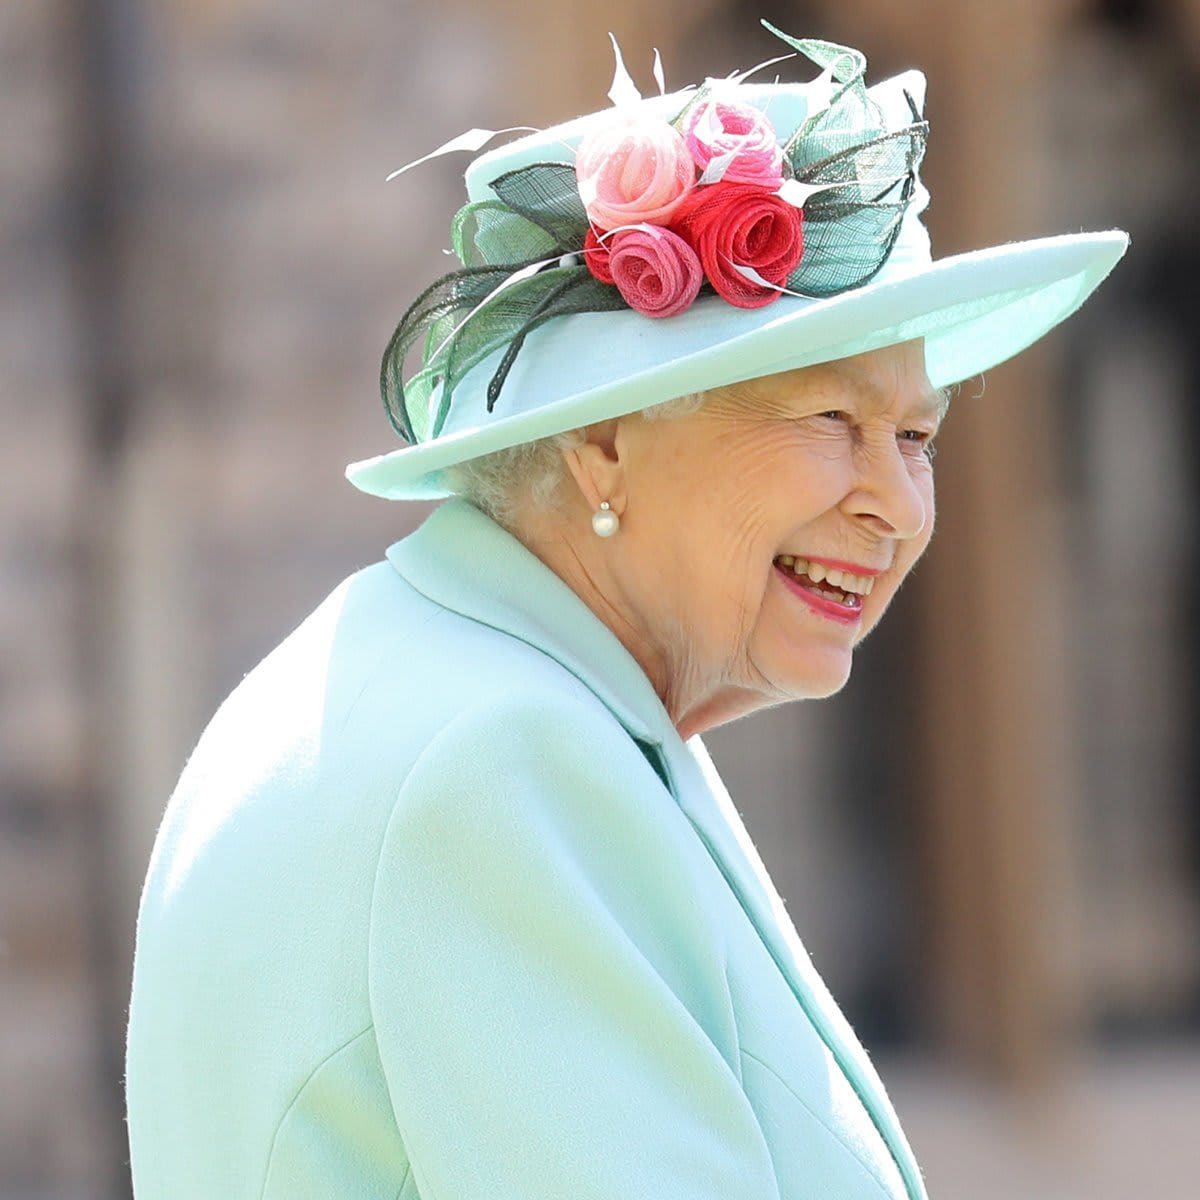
<point>687,240</point>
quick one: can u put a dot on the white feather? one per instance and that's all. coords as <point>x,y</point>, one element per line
<point>754,277</point>
<point>715,171</point>
<point>819,92</point>
<point>515,277</point>
<point>623,91</point>
<point>473,139</point>
<point>797,193</point>
<point>737,76</point>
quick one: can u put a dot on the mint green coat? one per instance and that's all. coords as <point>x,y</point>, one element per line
<point>443,907</point>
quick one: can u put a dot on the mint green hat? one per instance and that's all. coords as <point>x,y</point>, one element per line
<point>563,314</point>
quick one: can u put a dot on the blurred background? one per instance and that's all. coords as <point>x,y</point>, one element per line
<point>990,841</point>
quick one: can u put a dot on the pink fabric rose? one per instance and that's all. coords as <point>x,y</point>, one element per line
<point>634,168</point>
<point>716,128</point>
<point>656,271</point>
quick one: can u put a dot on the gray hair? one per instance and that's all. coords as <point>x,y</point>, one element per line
<point>501,482</point>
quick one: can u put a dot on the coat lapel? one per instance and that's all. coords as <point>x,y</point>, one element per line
<point>464,561</point>
<point>708,806</point>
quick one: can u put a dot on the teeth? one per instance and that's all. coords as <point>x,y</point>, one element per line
<point>862,585</point>
<point>847,599</point>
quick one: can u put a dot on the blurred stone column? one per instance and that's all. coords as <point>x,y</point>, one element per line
<point>101,39</point>
<point>1001,775</point>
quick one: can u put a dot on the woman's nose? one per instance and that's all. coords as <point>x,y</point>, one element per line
<point>887,495</point>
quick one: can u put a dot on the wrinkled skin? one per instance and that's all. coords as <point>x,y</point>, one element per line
<point>829,461</point>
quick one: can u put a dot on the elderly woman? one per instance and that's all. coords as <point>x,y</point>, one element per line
<point>449,901</point>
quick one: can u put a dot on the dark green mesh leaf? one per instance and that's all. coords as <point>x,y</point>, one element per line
<point>845,245</point>
<point>512,315</point>
<point>496,325</point>
<point>505,320</point>
<point>865,169</point>
<point>577,291</point>
<point>548,194</point>
<point>446,300</point>
<point>850,230</point>
<point>850,120</point>
<point>851,116</point>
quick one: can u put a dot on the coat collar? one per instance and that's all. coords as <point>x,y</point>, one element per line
<point>464,561</point>
<point>461,559</point>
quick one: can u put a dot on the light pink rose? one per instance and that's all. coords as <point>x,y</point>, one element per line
<point>717,127</point>
<point>656,271</point>
<point>634,168</point>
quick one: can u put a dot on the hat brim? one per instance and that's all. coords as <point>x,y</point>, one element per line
<point>974,310</point>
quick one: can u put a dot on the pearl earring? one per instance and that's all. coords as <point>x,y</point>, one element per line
<point>605,522</point>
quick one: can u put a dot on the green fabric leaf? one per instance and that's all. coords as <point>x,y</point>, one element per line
<point>848,64</point>
<point>488,232</point>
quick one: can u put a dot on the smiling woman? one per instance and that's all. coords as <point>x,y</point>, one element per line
<point>449,900</point>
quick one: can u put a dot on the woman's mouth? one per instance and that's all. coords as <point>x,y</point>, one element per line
<point>835,594</point>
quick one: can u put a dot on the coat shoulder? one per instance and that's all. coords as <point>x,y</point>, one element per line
<point>364,685</point>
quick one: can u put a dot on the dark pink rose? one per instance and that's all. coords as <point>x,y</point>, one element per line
<point>657,272</point>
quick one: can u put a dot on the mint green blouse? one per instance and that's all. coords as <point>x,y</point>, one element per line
<point>443,907</point>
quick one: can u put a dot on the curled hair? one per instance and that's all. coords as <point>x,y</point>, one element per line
<point>502,482</point>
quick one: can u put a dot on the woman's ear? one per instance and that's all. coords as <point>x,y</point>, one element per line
<point>598,466</point>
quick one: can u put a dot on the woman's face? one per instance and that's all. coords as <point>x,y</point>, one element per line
<point>729,514</point>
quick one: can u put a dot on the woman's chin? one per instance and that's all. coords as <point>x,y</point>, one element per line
<point>813,675</point>
<point>820,687</point>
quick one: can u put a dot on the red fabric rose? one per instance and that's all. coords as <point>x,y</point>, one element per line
<point>596,255</point>
<point>656,271</point>
<point>744,224</point>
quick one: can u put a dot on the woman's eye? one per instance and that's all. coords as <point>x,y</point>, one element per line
<point>834,414</point>
<point>921,440</point>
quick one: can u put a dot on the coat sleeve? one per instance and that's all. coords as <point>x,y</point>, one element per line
<point>542,976</point>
